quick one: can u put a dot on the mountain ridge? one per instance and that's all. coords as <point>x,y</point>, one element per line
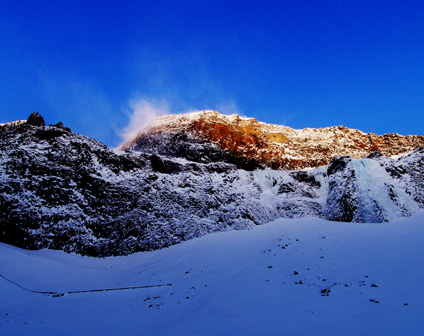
<point>261,144</point>
<point>61,190</point>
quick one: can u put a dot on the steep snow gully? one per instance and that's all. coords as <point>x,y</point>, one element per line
<point>61,190</point>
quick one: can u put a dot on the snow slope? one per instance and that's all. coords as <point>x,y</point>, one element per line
<point>270,280</point>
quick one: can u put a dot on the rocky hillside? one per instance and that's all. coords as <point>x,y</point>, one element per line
<point>61,190</point>
<point>208,136</point>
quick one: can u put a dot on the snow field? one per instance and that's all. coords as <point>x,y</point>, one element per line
<point>291,277</point>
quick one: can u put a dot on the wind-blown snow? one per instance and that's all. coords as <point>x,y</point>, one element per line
<point>271,280</point>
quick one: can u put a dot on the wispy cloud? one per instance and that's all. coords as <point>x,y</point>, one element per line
<point>184,79</point>
<point>161,84</point>
<point>229,107</point>
<point>141,113</point>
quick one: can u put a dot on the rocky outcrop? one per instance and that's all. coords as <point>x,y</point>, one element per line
<point>208,136</point>
<point>35,119</point>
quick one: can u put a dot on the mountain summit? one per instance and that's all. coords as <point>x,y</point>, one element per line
<point>209,136</point>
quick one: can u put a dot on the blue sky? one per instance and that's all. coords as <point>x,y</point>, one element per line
<point>98,66</point>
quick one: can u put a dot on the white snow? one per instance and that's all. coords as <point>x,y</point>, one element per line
<point>14,123</point>
<point>230,283</point>
<point>372,182</point>
<point>397,157</point>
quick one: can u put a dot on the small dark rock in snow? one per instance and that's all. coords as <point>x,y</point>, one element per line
<point>325,292</point>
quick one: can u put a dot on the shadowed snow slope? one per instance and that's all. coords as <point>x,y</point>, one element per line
<point>289,277</point>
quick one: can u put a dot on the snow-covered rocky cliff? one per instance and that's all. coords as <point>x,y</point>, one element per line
<point>208,136</point>
<point>61,190</point>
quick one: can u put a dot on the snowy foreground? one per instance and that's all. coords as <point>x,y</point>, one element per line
<point>271,280</point>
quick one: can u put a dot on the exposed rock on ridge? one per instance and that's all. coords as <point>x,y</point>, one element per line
<point>36,119</point>
<point>209,136</point>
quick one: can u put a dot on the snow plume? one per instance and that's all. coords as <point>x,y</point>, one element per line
<point>141,113</point>
<point>230,107</point>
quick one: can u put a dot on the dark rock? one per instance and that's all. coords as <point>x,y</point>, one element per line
<point>338,164</point>
<point>164,166</point>
<point>286,188</point>
<point>49,134</point>
<point>182,145</point>
<point>35,119</point>
<point>375,155</point>
<point>58,125</point>
<point>304,177</point>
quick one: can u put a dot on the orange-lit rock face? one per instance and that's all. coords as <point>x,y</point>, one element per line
<point>279,147</point>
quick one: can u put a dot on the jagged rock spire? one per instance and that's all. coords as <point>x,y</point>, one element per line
<point>36,119</point>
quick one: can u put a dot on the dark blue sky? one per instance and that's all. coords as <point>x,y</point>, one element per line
<point>297,63</point>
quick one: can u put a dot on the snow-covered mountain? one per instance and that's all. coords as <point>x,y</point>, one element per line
<point>61,190</point>
<point>209,136</point>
